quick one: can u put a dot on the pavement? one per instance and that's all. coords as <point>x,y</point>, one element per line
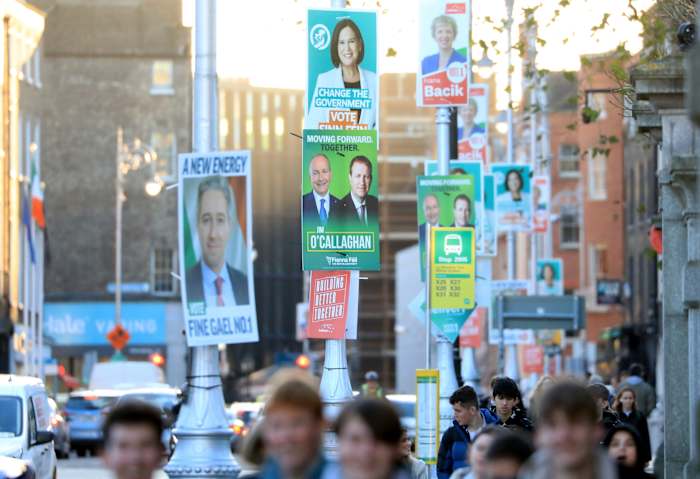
<point>92,468</point>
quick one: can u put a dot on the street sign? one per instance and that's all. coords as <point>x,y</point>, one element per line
<point>118,337</point>
<point>541,312</point>
<point>452,268</point>
<point>427,414</point>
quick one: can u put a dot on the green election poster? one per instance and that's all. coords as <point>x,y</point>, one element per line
<point>339,204</point>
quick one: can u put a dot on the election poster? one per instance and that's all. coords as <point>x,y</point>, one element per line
<point>302,321</point>
<point>474,207</point>
<point>427,414</point>
<point>342,91</point>
<point>488,226</point>
<point>443,201</point>
<point>443,71</point>
<point>216,237</point>
<point>550,277</point>
<point>513,196</point>
<point>472,125</point>
<point>470,335</point>
<point>515,287</point>
<point>339,203</point>
<point>531,359</point>
<point>452,268</point>
<point>541,199</point>
<point>329,299</point>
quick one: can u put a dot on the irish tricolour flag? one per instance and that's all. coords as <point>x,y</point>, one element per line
<point>37,198</point>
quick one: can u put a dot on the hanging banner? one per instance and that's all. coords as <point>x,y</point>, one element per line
<point>513,200</point>
<point>532,359</point>
<point>550,277</point>
<point>470,211</point>
<point>490,231</point>
<point>443,77</point>
<point>472,125</point>
<point>452,268</point>
<point>215,237</point>
<point>427,414</point>
<point>342,91</point>
<point>541,194</point>
<point>339,205</point>
<point>328,304</point>
<point>470,335</point>
<point>515,287</point>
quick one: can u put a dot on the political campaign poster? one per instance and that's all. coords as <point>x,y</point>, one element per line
<point>302,321</point>
<point>550,277</point>
<point>329,298</point>
<point>470,335</point>
<point>443,201</point>
<point>353,306</point>
<point>513,196</point>
<point>475,206</point>
<point>540,200</point>
<point>216,237</point>
<point>473,125</point>
<point>452,268</point>
<point>342,91</point>
<point>531,359</point>
<point>427,414</point>
<point>339,204</point>
<point>443,48</point>
<point>488,225</point>
<point>515,287</point>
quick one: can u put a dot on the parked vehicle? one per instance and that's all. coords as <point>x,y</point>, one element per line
<point>241,417</point>
<point>25,422</point>
<point>126,374</point>
<point>61,431</point>
<point>166,399</point>
<point>85,411</point>
<point>405,405</point>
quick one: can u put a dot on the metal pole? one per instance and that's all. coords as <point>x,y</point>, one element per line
<point>428,324</point>
<point>203,448</point>
<point>118,231</point>
<point>546,157</point>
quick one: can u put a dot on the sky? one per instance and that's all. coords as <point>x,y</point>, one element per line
<point>264,40</point>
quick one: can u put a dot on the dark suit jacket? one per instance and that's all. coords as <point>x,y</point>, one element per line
<point>421,233</point>
<point>195,289</point>
<point>310,212</point>
<point>350,213</point>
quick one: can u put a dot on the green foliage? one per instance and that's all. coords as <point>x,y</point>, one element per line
<point>589,114</point>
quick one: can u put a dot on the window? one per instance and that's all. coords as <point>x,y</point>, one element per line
<point>598,102</point>
<point>265,133</point>
<point>597,175</point>
<point>236,121</point>
<point>162,264</point>
<point>598,263</point>
<point>279,132</point>
<point>162,78</point>
<point>32,423</point>
<point>569,161</point>
<point>569,227</point>
<point>165,147</point>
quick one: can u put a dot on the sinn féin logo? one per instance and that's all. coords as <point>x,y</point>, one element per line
<point>320,37</point>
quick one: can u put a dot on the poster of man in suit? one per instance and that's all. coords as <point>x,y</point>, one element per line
<point>339,204</point>
<point>215,248</point>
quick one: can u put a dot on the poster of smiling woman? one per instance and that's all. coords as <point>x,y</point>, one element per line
<point>550,277</point>
<point>442,77</point>
<point>513,198</point>
<point>342,85</point>
<point>215,228</point>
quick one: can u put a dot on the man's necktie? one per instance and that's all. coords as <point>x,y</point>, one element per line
<point>218,283</point>
<point>363,214</point>
<point>323,212</point>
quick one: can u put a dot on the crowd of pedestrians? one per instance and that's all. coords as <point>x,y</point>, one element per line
<point>571,431</point>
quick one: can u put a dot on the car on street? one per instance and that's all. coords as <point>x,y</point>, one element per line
<point>405,405</point>
<point>241,417</point>
<point>85,412</point>
<point>61,431</point>
<point>25,423</point>
<point>125,375</point>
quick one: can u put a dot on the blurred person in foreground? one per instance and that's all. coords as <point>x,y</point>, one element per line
<point>626,409</point>
<point>506,455</point>
<point>606,416</point>
<point>646,396</point>
<point>508,405</point>
<point>477,453</point>
<point>369,442</point>
<point>132,434</point>
<point>418,469</point>
<point>567,438</point>
<point>292,429</point>
<point>625,448</point>
<point>468,421</point>
<point>542,385</point>
<point>371,388</point>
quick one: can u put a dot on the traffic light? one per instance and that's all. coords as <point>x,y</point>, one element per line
<point>157,359</point>
<point>303,361</point>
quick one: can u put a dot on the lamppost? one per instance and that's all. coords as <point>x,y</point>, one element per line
<point>130,157</point>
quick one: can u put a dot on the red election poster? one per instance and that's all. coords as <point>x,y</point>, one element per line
<point>541,193</point>
<point>470,335</point>
<point>532,359</point>
<point>328,304</point>
<point>472,124</point>
<point>444,53</point>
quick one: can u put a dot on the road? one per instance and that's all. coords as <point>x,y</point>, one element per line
<point>90,468</point>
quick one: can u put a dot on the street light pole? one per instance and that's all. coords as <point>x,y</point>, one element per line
<point>118,231</point>
<point>203,448</point>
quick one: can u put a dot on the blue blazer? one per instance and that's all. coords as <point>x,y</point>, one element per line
<point>431,63</point>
